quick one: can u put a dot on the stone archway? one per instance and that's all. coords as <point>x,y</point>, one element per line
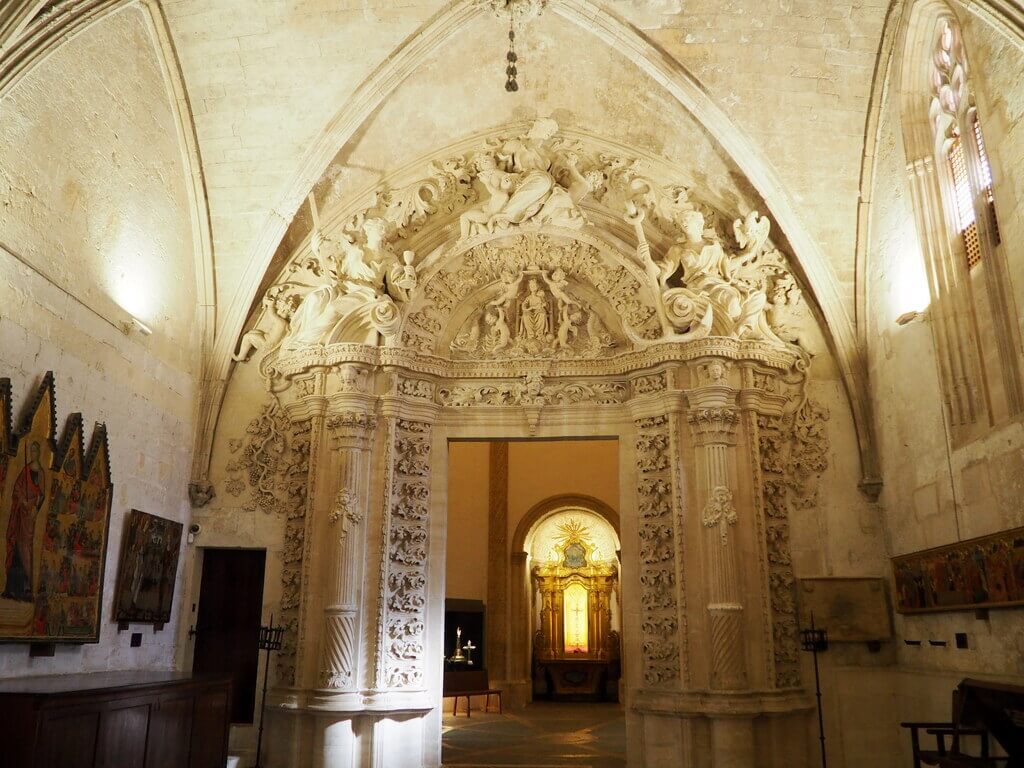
<point>517,310</point>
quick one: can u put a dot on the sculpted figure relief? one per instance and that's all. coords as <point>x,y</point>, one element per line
<point>707,289</point>
<point>533,315</point>
<point>529,182</point>
<point>355,275</point>
<point>549,299</point>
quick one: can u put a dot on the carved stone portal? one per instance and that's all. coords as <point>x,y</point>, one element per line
<point>525,316</point>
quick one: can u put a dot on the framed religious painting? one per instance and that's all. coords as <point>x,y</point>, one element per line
<point>986,572</point>
<point>54,516</point>
<point>149,564</point>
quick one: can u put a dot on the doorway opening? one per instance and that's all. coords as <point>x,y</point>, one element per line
<point>228,625</point>
<point>533,604</point>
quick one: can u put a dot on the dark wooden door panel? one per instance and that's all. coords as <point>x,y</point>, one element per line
<point>123,736</point>
<point>76,748</point>
<point>228,625</point>
<point>209,737</point>
<point>170,733</point>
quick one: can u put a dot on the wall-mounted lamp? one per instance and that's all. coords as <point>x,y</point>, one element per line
<point>134,324</point>
<point>909,317</point>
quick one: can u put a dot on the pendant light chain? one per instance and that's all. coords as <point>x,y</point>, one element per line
<point>510,84</point>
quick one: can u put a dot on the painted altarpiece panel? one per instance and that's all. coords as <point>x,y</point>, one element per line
<point>986,572</point>
<point>55,502</point>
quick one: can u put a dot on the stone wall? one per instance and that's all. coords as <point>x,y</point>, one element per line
<point>935,494</point>
<point>95,228</point>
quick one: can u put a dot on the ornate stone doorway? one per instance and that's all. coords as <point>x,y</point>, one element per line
<point>518,310</point>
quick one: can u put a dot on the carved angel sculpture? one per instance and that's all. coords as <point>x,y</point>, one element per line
<point>499,185</point>
<point>751,235</point>
<point>278,308</point>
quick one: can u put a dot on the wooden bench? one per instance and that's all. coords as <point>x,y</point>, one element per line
<point>459,683</point>
<point>979,709</point>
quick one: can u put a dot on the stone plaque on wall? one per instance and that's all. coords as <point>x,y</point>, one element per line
<point>851,610</point>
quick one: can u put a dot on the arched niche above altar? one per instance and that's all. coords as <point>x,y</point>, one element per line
<point>554,531</point>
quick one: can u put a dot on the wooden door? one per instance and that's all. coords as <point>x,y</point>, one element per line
<point>228,624</point>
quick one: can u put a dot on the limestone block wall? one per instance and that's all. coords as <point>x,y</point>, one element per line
<point>935,494</point>
<point>94,228</point>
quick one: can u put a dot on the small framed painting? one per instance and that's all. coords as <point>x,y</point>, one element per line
<point>149,564</point>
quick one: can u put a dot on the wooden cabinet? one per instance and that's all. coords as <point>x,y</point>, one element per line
<point>115,720</point>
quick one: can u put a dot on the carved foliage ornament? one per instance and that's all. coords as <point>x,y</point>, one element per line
<point>794,453</point>
<point>407,539</point>
<point>658,603</point>
<point>719,512</point>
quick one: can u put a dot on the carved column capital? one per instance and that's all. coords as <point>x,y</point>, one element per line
<point>717,425</point>
<point>350,429</point>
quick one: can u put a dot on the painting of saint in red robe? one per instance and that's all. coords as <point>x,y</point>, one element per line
<point>27,499</point>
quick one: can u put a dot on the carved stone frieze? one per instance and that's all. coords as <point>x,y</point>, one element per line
<point>658,554</point>
<point>416,388</point>
<point>533,390</point>
<point>793,451</point>
<point>649,385</point>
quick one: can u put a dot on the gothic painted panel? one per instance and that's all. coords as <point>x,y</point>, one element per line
<point>149,562</point>
<point>54,514</point>
<point>987,572</point>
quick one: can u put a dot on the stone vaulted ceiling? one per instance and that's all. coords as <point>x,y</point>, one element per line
<point>264,80</point>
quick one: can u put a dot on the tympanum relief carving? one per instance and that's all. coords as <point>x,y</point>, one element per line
<point>528,271</point>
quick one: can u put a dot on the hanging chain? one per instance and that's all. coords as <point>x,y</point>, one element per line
<point>510,84</point>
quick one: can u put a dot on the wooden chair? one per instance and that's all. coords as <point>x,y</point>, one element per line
<point>978,709</point>
<point>459,683</point>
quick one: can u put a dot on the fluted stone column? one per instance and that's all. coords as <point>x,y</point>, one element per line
<point>714,421</point>
<point>350,437</point>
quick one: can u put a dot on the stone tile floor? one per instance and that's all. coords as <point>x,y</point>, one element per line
<point>543,735</point>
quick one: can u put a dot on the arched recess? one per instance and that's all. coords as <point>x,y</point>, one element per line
<point>542,509</point>
<point>61,23</point>
<point>1007,17</point>
<point>521,605</point>
<point>810,263</point>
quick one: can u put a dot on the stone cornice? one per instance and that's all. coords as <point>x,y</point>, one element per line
<point>633,361</point>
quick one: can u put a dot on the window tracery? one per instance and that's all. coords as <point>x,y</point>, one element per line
<point>954,198</point>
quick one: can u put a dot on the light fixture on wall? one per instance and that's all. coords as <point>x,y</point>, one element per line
<point>913,316</point>
<point>134,324</point>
